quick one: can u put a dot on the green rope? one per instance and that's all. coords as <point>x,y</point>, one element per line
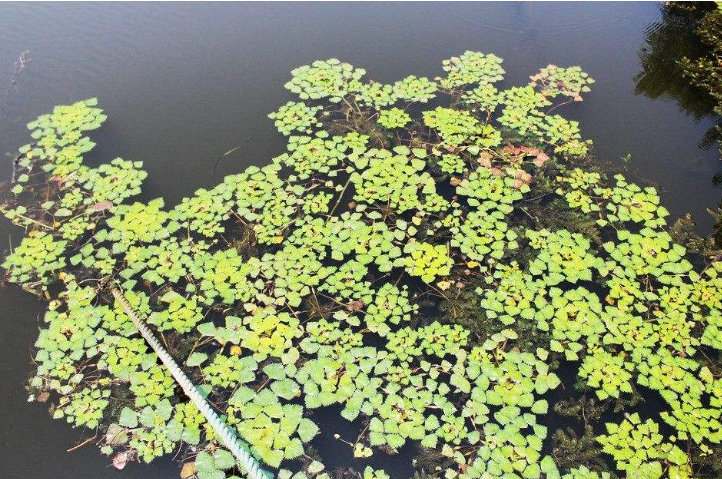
<point>238,448</point>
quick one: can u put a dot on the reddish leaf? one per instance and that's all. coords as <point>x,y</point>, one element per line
<point>120,460</point>
<point>102,206</point>
<point>540,159</point>
<point>521,178</point>
<point>355,305</point>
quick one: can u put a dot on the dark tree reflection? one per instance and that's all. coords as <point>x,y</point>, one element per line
<point>672,46</point>
<point>668,41</point>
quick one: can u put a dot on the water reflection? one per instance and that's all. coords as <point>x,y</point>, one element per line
<point>667,42</point>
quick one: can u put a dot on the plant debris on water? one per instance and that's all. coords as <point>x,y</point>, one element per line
<point>439,259</point>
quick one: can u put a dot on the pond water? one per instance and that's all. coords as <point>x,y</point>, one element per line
<point>183,84</point>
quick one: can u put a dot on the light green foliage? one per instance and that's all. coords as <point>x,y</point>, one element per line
<point>114,182</point>
<point>485,185</point>
<point>275,431</point>
<point>213,465</point>
<point>565,135</point>
<point>125,356</point>
<point>712,335</point>
<point>451,164</point>
<point>427,260</point>
<point>186,423</point>
<point>376,95</point>
<point>268,332</point>
<point>36,260</point>
<point>59,140</point>
<point>151,440</point>
<point>574,317</point>
<point>456,127</point>
<point>646,253</point>
<point>522,110</point>
<point>202,213</point>
<point>315,282</point>
<point>252,189</point>
<point>632,203</point>
<point>512,441</point>
<point>512,295</point>
<point>436,339</point>
<point>415,89</point>
<point>608,373</point>
<point>369,243</point>
<point>484,234</point>
<point>294,271</point>
<point>390,306</point>
<point>570,82</point>
<point>583,472</point>
<point>227,371</point>
<point>313,155</point>
<point>83,408</point>
<point>634,443</point>
<point>180,315</point>
<point>151,385</point>
<point>330,79</point>
<point>563,256</point>
<point>167,261</point>
<point>472,67</point>
<point>224,276</point>
<point>392,178</point>
<point>347,283</point>
<point>295,117</point>
<point>578,196</point>
<point>138,223</point>
<point>393,118</point>
<point>485,96</point>
<point>317,204</point>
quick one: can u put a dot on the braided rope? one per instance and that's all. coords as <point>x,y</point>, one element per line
<point>239,449</point>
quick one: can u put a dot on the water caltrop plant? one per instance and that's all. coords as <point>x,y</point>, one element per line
<point>428,259</point>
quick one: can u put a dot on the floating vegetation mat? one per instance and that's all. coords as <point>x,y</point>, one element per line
<point>437,261</point>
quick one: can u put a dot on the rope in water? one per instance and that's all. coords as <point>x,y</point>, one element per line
<point>246,461</point>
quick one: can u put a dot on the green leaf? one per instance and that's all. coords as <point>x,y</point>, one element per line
<point>128,418</point>
<point>196,359</point>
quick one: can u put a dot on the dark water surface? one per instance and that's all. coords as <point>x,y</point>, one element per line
<point>184,83</point>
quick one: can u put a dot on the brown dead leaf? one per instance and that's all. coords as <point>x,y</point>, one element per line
<point>485,159</point>
<point>188,470</point>
<point>355,305</point>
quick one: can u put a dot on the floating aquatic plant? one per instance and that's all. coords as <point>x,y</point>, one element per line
<point>295,117</point>
<point>313,281</point>
<point>393,118</point>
